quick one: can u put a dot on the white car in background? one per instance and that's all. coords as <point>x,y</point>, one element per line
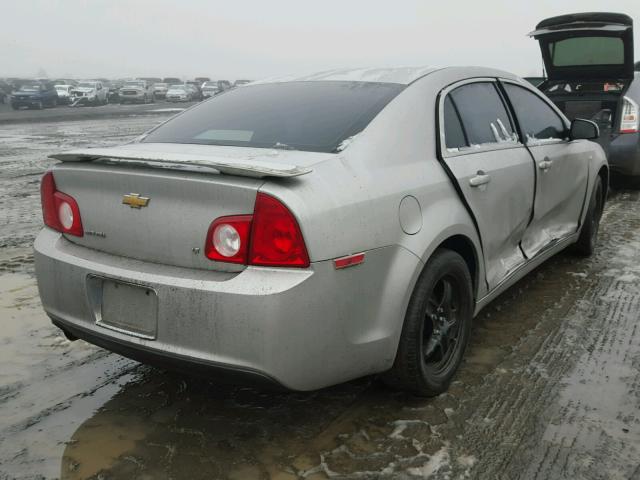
<point>137,91</point>
<point>180,93</point>
<point>89,92</point>
<point>64,93</point>
<point>209,89</point>
<point>160,89</point>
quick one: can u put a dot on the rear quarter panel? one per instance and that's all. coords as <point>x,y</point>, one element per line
<point>350,203</point>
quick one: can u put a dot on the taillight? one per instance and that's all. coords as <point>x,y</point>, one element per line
<point>228,239</point>
<point>270,237</point>
<point>276,239</point>
<point>59,210</point>
<point>630,116</point>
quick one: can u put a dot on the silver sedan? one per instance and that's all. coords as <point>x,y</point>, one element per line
<point>311,230</point>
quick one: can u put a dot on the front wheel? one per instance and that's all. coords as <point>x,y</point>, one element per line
<point>436,327</point>
<point>588,239</point>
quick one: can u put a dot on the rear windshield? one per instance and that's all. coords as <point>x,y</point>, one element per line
<point>587,51</point>
<point>310,116</point>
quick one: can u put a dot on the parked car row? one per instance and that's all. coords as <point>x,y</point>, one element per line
<point>43,93</point>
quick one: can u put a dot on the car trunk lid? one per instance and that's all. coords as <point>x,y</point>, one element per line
<point>587,46</point>
<point>156,204</point>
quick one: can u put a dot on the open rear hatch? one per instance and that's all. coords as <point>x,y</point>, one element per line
<point>587,46</point>
<point>156,202</point>
<point>588,58</point>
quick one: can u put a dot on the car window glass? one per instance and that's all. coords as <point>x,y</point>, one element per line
<point>308,116</point>
<point>483,114</point>
<point>539,122</point>
<point>453,133</point>
<point>599,50</point>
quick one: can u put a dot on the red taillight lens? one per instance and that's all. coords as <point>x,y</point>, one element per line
<point>276,239</point>
<point>59,210</point>
<point>228,239</point>
<point>270,237</point>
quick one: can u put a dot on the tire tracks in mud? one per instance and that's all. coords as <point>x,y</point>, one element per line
<point>516,409</point>
<point>547,417</point>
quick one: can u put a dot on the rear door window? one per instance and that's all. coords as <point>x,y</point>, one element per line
<point>483,114</point>
<point>539,122</point>
<point>453,132</point>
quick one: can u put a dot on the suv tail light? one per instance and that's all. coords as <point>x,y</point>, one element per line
<point>630,116</point>
<point>59,210</point>
<point>270,237</point>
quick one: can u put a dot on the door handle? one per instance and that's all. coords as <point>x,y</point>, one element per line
<point>545,164</point>
<point>481,178</point>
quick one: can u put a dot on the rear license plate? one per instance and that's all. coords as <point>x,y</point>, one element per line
<point>129,308</point>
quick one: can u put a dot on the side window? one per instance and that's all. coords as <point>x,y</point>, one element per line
<point>453,133</point>
<point>483,114</point>
<point>538,120</point>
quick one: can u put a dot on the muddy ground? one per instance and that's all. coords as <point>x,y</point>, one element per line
<point>550,387</point>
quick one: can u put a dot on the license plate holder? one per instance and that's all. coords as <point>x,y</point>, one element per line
<point>128,308</point>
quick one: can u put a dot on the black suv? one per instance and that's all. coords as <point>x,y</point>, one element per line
<point>588,58</point>
<point>35,95</point>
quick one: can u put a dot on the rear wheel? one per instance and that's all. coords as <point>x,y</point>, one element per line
<point>588,239</point>
<point>436,327</point>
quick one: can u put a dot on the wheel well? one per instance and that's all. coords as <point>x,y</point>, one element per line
<point>463,247</point>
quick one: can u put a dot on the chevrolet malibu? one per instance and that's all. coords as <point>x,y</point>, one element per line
<point>307,231</point>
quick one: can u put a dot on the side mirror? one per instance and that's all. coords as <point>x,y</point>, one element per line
<point>582,129</point>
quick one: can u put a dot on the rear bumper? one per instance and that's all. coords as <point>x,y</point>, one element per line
<point>624,154</point>
<point>303,329</point>
<point>169,360</point>
<point>136,97</point>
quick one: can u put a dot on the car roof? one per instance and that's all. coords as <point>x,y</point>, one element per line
<point>400,75</point>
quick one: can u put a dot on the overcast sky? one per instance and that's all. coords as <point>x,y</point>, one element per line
<point>256,38</point>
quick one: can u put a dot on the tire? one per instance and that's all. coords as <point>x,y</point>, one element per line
<point>586,244</point>
<point>426,361</point>
<point>54,103</point>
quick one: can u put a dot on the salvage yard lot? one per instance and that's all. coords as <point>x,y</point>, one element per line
<point>9,116</point>
<point>550,386</point>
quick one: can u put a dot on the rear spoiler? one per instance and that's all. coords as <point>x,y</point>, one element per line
<point>230,166</point>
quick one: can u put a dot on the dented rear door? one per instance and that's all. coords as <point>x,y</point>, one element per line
<point>561,166</point>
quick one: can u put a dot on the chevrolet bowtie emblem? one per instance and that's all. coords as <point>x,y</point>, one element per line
<point>134,200</point>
